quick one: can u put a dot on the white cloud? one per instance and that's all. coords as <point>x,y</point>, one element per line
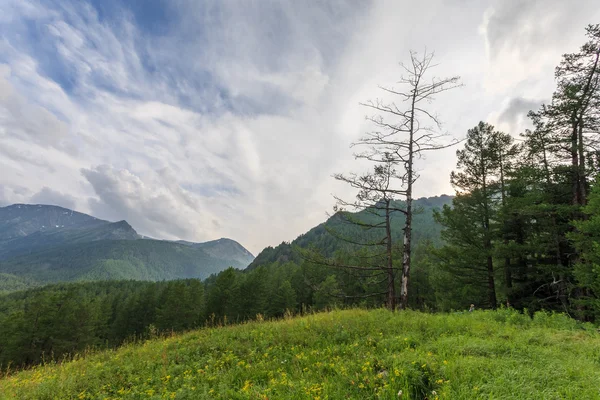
<point>49,196</point>
<point>158,207</point>
<point>526,38</point>
<point>21,119</point>
<point>231,121</point>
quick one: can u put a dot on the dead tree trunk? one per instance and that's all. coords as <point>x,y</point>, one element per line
<point>406,136</point>
<point>391,288</point>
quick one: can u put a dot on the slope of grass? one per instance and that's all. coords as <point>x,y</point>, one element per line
<point>343,354</point>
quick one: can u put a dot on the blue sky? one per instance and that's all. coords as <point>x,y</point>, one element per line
<point>203,119</point>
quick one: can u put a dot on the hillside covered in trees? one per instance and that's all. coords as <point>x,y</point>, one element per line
<point>42,244</point>
<point>329,236</point>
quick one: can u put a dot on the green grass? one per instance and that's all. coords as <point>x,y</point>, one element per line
<point>354,354</point>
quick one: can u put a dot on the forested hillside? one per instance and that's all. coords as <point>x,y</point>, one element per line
<point>116,259</point>
<point>11,283</point>
<point>42,244</point>
<point>51,238</point>
<point>225,248</point>
<point>337,234</point>
<point>58,320</point>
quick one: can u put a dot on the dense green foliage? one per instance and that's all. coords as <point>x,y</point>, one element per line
<point>513,240</point>
<point>522,229</point>
<point>343,354</point>
<point>11,283</point>
<point>587,241</point>
<point>62,319</point>
<point>58,320</point>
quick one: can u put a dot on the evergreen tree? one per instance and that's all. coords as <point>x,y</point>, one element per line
<point>223,298</point>
<point>254,292</point>
<point>587,241</point>
<point>475,179</point>
<point>284,299</point>
<point>573,115</point>
<point>466,254</point>
<point>328,294</point>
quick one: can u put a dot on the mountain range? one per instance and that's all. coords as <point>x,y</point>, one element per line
<point>42,244</point>
<point>320,237</point>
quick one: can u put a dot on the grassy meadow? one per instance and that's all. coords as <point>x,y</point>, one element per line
<point>350,354</point>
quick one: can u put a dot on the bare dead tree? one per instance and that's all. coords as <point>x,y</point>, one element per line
<point>405,130</point>
<point>376,193</point>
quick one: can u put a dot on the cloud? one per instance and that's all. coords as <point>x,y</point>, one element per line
<point>526,38</point>
<point>11,194</point>
<point>53,197</point>
<point>528,27</point>
<point>24,156</point>
<point>161,209</point>
<point>514,115</point>
<point>3,198</point>
<point>197,120</point>
<point>20,118</point>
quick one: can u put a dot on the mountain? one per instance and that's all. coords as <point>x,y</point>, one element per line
<point>424,228</point>
<point>20,220</point>
<point>115,259</point>
<point>40,244</point>
<point>50,238</point>
<point>224,248</point>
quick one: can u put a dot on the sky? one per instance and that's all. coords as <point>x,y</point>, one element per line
<point>201,119</point>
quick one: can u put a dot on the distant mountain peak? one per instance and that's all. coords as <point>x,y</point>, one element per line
<point>122,224</point>
<point>224,248</point>
<point>19,220</point>
<point>46,243</point>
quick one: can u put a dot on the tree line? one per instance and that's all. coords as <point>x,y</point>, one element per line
<point>59,320</point>
<point>522,225</point>
<point>515,230</point>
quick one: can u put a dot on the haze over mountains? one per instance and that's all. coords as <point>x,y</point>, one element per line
<point>42,244</point>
